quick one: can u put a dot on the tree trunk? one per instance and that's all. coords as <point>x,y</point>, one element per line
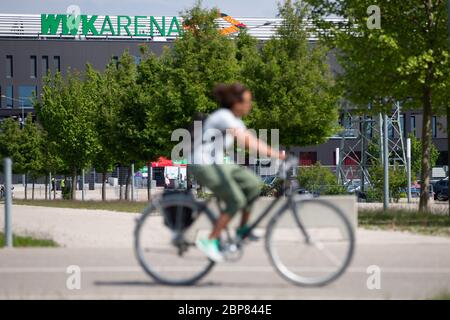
<point>149,180</point>
<point>73,192</point>
<point>26,187</point>
<point>127,186</point>
<point>104,186</point>
<point>32,189</point>
<point>448,149</point>
<point>426,151</point>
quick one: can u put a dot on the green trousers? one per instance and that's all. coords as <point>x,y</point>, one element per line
<point>237,186</point>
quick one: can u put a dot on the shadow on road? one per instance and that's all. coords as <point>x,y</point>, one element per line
<point>198,285</point>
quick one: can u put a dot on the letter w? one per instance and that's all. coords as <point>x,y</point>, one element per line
<point>50,23</point>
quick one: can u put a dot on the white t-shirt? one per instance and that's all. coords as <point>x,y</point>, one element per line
<point>214,138</point>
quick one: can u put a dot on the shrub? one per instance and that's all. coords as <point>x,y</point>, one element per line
<point>319,179</point>
<point>397,183</point>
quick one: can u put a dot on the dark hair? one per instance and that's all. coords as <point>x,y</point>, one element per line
<point>228,94</point>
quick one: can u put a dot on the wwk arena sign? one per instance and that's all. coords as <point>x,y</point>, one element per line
<point>94,25</point>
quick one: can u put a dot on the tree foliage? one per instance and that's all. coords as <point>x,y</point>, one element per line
<point>405,60</point>
<point>292,83</point>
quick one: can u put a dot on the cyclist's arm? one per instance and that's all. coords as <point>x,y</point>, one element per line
<point>246,138</point>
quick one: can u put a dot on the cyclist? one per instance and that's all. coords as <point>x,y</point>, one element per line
<point>235,185</point>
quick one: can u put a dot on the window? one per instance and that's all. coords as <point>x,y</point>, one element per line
<point>45,66</point>
<point>412,124</point>
<point>308,158</point>
<point>26,95</point>
<point>137,59</point>
<point>434,126</point>
<point>9,97</point>
<point>57,62</point>
<point>33,67</point>
<point>9,67</point>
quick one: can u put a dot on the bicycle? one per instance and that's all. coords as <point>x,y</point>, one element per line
<point>299,225</point>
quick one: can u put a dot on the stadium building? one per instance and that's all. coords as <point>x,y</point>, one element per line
<point>32,45</point>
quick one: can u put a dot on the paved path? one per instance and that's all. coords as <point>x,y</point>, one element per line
<point>100,243</point>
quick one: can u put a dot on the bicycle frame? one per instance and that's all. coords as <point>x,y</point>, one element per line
<point>268,210</point>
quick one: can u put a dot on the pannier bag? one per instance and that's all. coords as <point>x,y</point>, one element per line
<point>177,218</point>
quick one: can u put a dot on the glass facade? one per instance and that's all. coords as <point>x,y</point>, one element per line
<point>26,95</point>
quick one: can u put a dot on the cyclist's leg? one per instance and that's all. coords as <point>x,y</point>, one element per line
<point>250,184</point>
<point>219,180</point>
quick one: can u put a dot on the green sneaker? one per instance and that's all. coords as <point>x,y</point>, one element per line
<point>210,248</point>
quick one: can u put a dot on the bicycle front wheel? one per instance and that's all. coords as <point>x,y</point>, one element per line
<point>167,255</point>
<point>311,242</point>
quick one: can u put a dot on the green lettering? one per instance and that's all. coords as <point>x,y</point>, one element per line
<point>119,25</point>
<point>110,27</point>
<point>50,23</point>
<point>88,25</point>
<point>162,30</point>
<point>175,23</point>
<point>137,25</point>
<point>65,29</point>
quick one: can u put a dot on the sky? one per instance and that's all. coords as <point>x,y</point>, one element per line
<point>237,8</point>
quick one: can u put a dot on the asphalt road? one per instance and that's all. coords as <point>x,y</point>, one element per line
<point>409,270</point>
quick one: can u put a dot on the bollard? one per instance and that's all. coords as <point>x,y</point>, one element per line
<point>7,163</point>
<point>408,166</point>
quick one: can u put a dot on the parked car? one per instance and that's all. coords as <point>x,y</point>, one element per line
<point>442,195</point>
<point>439,186</point>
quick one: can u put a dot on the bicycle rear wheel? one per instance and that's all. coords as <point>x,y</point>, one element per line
<point>311,242</point>
<point>169,255</point>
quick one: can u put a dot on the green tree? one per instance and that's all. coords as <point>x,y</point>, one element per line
<point>292,83</point>
<point>198,61</point>
<point>31,146</point>
<point>150,81</point>
<point>103,91</point>
<point>10,137</point>
<point>130,116</point>
<point>416,155</point>
<point>405,60</point>
<point>67,113</point>
<point>25,147</point>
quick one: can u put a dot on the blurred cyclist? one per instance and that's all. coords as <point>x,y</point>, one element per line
<point>235,185</point>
